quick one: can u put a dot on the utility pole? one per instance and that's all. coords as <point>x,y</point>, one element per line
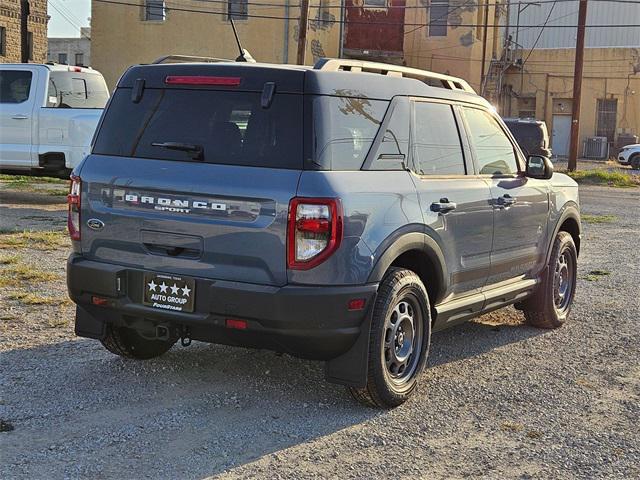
<point>24,32</point>
<point>484,42</point>
<point>302,36</point>
<point>577,86</point>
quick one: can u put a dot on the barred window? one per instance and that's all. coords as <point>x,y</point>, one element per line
<point>237,9</point>
<point>438,18</point>
<point>154,10</point>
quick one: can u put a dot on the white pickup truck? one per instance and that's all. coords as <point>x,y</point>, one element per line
<point>48,114</point>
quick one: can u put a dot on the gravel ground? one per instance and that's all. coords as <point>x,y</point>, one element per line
<point>500,400</point>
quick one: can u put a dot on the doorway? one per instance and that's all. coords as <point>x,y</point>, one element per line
<point>560,135</point>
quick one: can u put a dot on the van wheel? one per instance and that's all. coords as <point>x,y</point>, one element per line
<point>399,340</point>
<point>551,304</point>
<point>128,343</point>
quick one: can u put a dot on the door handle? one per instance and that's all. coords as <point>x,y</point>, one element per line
<point>505,201</point>
<point>443,206</point>
<point>19,116</point>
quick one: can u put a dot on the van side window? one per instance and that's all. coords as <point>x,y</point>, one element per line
<point>15,86</point>
<point>393,150</point>
<point>435,141</point>
<point>493,149</point>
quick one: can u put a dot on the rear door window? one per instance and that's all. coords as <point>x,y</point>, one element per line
<point>228,127</point>
<point>15,86</point>
<point>435,140</point>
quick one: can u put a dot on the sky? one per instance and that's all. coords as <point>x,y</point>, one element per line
<point>67,16</point>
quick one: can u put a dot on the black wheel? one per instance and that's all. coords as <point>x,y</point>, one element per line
<point>551,304</point>
<point>129,343</point>
<point>399,341</point>
<point>634,161</point>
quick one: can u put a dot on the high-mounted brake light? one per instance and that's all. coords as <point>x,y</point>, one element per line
<point>201,80</point>
<point>73,199</point>
<point>314,231</point>
<point>75,69</point>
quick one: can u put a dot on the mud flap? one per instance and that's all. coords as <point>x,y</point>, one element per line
<point>89,326</point>
<point>351,368</point>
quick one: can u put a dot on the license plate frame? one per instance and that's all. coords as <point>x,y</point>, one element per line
<point>172,293</point>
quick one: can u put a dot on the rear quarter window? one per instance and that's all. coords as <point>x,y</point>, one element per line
<point>344,129</point>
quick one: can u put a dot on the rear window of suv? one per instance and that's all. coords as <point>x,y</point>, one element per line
<point>227,127</point>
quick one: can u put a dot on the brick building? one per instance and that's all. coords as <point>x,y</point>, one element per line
<point>10,31</point>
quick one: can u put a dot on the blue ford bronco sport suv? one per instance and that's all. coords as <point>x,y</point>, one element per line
<point>341,213</point>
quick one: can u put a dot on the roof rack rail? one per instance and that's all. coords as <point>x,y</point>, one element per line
<point>188,59</point>
<point>431,78</point>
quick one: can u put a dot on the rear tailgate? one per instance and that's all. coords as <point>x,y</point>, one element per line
<point>192,171</point>
<point>212,221</point>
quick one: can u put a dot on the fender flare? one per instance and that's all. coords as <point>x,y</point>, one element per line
<point>402,241</point>
<point>570,210</point>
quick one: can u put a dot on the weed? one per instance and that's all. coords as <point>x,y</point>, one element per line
<point>44,240</point>
<point>9,259</point>
<point>604,177</point>
<point>594,275</point>
<point>24,273</point>
<point>512,427</point>
<point>27,179</point>
<point>599,218</point>
<point>33,299</point>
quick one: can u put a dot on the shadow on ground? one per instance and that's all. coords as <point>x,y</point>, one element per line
<point>193,412</point>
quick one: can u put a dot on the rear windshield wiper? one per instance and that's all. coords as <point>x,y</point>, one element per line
<point>196,150</point>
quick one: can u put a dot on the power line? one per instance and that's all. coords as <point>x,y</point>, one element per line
<point>410,7</point>
<point>540,33</point>
<point>350,22</point>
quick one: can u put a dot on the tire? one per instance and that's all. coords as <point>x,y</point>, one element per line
<point>551,304</point>
<point>399,340</point>
<point>128,343</point>
<point>634,161</point>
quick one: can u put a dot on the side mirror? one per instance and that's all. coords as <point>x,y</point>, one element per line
<point>539,167</point>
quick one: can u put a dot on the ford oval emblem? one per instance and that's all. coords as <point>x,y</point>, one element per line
<point>95,224</point>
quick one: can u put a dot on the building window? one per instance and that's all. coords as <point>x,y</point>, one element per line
<point>154,10</point>
<point>606,111</point>
<point>30,44</point>
<point>237,9</point>
<point>62,58</point>
<point>527,107</point>
<point>375,3</point>
<point>3,41</point>
<point>479,19</point>
<point>324,14</point>
<point>438,18</point>
<point>79,59</point>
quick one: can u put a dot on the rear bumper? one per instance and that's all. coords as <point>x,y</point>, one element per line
<point>306,321</point>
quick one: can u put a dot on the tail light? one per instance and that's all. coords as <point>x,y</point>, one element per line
<point>314,231</point>
<point>73,200</point>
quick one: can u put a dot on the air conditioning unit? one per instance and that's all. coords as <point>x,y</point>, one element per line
<point>596,148</point>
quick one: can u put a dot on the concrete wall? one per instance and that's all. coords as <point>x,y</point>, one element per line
<point>37,24</point>
<point>608,74</point>
<point>120,36</point>
<point>71,47</point>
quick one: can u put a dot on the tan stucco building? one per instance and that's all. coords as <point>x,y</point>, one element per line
<point>381,30</point>
<point>539,81</point>
<point>10,31</point>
